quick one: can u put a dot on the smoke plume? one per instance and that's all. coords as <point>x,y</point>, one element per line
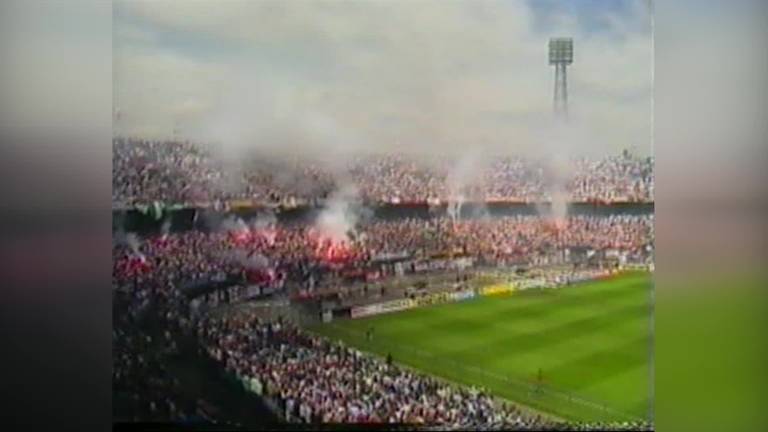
<point>339,218</point>
<point>234,223</point>
<point>165,229</point>
<point>561,140</point>
<point>264,220</point>
<point>132,240</point>
<point>251,261</point>
<point>465,173</point>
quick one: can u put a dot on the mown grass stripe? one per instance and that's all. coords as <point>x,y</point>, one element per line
<point>590,339</point>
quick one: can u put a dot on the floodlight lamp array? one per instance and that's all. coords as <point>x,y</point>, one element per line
<point>560,51</point>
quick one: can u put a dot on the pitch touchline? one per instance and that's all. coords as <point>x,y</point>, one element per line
<point>547,388</point>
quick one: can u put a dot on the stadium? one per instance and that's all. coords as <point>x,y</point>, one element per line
<point>272,269</point>
<point>534,322</point>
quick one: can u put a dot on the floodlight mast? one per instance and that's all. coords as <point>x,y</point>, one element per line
<point>561,55</point>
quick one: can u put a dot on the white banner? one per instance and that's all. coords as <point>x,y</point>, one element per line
<point>379,308</point>
<point>363,311</point>
<point>403,304</point>
<point>463,295</point>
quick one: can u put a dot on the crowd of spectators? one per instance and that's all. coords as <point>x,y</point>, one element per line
<point>516,236</point>
<point>177,172</point>
<point>319,381</point>
<point>283,252</point>
<point>140,377</point>
<point>144,318</point>
<point>627,425</point>
<point>314,379</point>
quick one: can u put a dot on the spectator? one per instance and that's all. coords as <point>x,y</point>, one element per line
<point>184,173</point>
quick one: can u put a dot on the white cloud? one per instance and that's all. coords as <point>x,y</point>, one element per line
<point>431,76</point>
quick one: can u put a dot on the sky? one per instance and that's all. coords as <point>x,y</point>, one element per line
<point>336,77</point>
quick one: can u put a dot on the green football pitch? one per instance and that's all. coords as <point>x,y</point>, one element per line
<point>580,353</point>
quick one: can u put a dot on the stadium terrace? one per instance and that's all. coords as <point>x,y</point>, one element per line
<point>184,174</point>
<point>282,311</point>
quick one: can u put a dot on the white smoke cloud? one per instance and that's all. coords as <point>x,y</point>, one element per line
<point>165,228</point>
<point>339,217</point>
<point>327,82</point>
<point>560,142</point>
<point>248,260</point>
<point>466,173</point>
<point>132,240</point>
<point>233,223</point>
<point>210,219</point>
<point>264,219</point>
<point>330,78</point>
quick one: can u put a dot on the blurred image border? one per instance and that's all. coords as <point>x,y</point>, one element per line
<point>711,249</point>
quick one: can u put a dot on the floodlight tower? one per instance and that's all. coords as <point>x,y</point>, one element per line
<point>561,55</point>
